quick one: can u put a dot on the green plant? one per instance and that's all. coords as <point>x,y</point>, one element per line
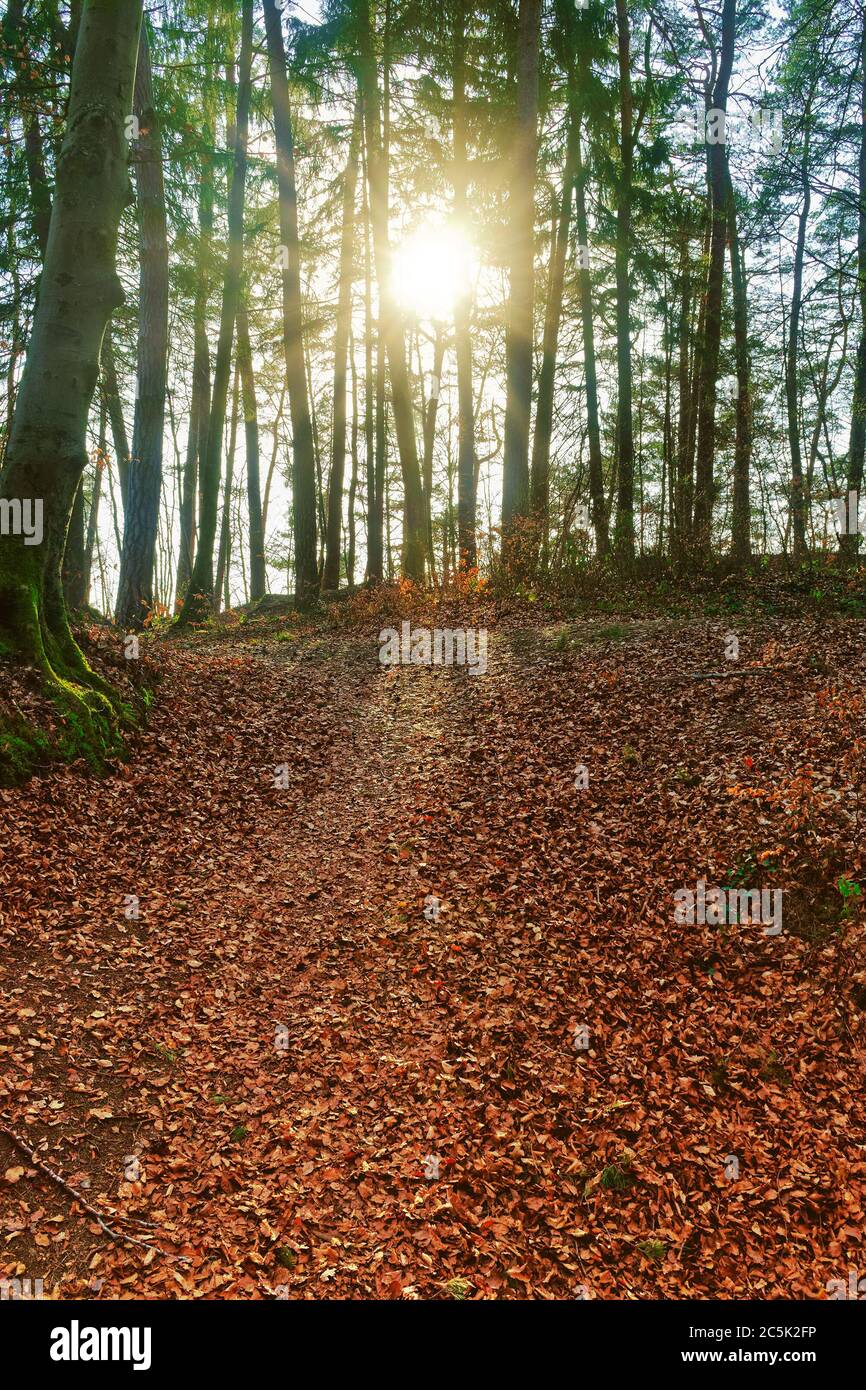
<point>618,1176</point>
<point>653,1249</point>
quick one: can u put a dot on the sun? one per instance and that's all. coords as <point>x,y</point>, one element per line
<point>431,268</point>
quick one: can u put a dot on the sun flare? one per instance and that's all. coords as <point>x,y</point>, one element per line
<point>430,268</point>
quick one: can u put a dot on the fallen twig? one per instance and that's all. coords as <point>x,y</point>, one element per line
<point>722,675</point>
<point>91,1210</point>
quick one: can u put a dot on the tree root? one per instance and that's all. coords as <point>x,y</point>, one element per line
<point>82,1201</point>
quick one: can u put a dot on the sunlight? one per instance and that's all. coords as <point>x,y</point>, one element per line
<point>430,268</point>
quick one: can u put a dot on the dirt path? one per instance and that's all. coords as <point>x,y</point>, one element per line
<point>275,1059</point>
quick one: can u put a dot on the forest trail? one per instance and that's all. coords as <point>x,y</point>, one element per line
<point>306,1082</point>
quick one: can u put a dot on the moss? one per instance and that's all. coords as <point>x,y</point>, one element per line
<point>90,716</point>
<point>22,748</point>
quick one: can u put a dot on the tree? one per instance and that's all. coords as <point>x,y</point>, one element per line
<point>200,595</point>
<point>710,340</point>
<point>304,471</point>
<point>331,574</point>
<point>47,450</point>
<point>518,346</point>
<point>141,513</point>
<point>850,541</point>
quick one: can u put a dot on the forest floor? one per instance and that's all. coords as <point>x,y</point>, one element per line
<point>261,1075</point>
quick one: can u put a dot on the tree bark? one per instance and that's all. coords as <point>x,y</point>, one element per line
<point>624,532</point>
<point>304,463</point>
<point>849,543</point>
<point>221,582</point>
<point>79,290</point>
<point>540,477</point>
<point>466,503</point>
<point>390,318</point>
<point>375,477</point>
<point>258,572</point>
<point>705,489</point>
<point>141,510</point>
<point>741,548</point>
<point>518,340</point>
<point>200,405</point>
<point>792,347</point>
<point>200,594</point>
<point>333,540</point>
<point>115,411</point>
<point>593,428</point>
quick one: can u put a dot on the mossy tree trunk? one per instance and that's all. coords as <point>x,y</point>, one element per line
<point>79,289</point>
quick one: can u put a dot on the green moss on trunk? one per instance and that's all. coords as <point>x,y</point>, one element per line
<point>91,717</point>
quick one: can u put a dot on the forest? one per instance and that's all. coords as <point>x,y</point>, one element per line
<point>431,464</point>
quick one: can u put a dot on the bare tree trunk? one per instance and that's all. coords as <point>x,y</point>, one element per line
<point>593,428</point>
<point>705,489</point>
<point>518,339</point>
<point>540,477</point>
<point>849,543</point>
<point>431,407</point>
<point>741,547</point>
<point>221,583</point>
<point>93,519</point>
<point>331,575</point>
<point>624,531</point>
<point>466,504</point>
<point>390,318</point>
<point>115,411</point>
<point>304,462</point>
<point>373,413</point>
<point>258,572</point>
<point>200,408</point>
<point>141,509</point>
<point>199,597</point>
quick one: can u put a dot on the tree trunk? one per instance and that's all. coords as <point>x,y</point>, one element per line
<point>199,597</point>
<point>221,583</point>
<point>741,548</point>
<point>792,401</point>
<point>518,339</point>
<point>200,405</point>
<point>390,318</point>
<point>258,572</point>
<point>711,339</point>
<point>115,411</point>
<point>540,477</point>
<point>93,519</point>
<point>375,476</point>
<point>353,481</point>
<point>333,540</point>
<point>141,511</point>
<point>73,555</point>
<point>849,543</point>
<point>79,290</point>
<point>593,428</point>
<point>430,410</point>
<point>466,504</point>
<point>682,479</point>
<point>624,532</point>
<point>304,462</point>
